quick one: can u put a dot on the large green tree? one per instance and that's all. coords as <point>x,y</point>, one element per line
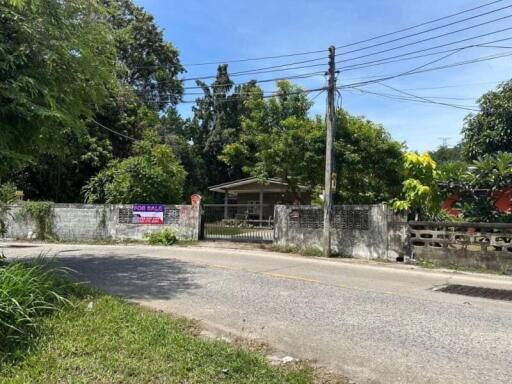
<point>56,67</point>
<point>148,64</point>
<point>279,139</point>
<point>216,123</point>
<point>490,130</point>
<point>369,161</point>
<point>147,69</point>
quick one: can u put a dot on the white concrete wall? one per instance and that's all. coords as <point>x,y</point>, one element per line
<point>97,222</point>
<point>384,238</point>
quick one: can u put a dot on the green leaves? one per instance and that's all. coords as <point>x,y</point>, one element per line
<point>420,194</point>
<point>152,175</point>
<point>490,130</point>
<point>56,64</point>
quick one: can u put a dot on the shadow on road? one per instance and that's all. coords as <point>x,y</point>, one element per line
<point>133,277</point>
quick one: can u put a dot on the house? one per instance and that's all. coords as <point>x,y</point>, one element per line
<point>502,201</point>
<point>253,198</point>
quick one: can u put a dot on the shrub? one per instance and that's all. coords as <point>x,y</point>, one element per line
<point>163,237</point>
<point>153,174</point>
<point>7,196</point>
<point>41,212</point>
<point>28,291</point>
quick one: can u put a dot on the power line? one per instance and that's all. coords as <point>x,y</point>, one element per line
<point>240,97</point>
<point>113,131</point>
<point>382,60</point>
<point>385,60</point>
<point>284,67</point>
<point>322,50</point>
<point>433,38</point>
<point>412,99</point>
<point>451,86</point>
<point>303,76</point>
<point>318,94</point>
<point>434,29</point>
<point>380,78</point>
<point>427,99</point>
<point>420,25</point>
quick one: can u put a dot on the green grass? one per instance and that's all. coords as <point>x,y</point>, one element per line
<point>53,331</point>
<point>112,341</point>
<point>28,292</point>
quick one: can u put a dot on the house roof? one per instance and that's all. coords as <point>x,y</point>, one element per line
<point>271,184</point>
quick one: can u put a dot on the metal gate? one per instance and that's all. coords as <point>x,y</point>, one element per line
<point>238,222</point>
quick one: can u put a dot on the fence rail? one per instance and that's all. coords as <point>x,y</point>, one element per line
<point>486,245</point>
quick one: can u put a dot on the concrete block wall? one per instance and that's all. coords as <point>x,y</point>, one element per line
<point>100,222</point>
<point>384,238</point>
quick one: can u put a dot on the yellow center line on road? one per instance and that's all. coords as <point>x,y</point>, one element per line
<point>225,267</point>
<point>291,277</point>
<point>299,278</point>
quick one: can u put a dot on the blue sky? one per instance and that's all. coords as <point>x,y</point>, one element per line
<point>215,30</point>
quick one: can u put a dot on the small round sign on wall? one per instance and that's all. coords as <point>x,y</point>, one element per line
<point>195,199</point>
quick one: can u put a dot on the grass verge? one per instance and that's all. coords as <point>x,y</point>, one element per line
<point>96,338</point>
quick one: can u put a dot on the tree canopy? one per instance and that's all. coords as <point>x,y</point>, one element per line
<point>56,67</point>
<point>490,130</point>
<point>279,139</point>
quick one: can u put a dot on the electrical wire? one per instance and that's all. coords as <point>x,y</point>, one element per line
<point>380,78</point>
<point>340,46</point>
<point>436,28</point>
<point>113,131</point>
<point>435,37</point>
<point>382,60</point>
<point>415,99</point>
<point>388,60</point>
<point>419,25</point>
<point>284,67</point>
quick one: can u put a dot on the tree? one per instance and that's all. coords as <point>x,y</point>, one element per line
<point>149,64</point>
<point>56,65</point>
<point>152,175</point>
<point>369,161</point>
<point>279,140</point>
<point>420,193</point>
<point>60,176</point>
<point>445,154</point>
<point>146,65</point>
<point>490,130</point>
<point>217,122</point>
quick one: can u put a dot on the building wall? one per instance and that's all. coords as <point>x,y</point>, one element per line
<point>362,231</point>
<point>98,222</point>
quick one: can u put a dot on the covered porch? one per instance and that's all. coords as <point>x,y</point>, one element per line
<point>253,200</point>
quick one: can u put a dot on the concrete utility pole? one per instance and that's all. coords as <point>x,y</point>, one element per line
<point>330,120</point>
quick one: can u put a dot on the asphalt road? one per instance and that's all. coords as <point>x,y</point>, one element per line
<point>373,323</point>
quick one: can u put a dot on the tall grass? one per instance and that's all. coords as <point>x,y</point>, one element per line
<point>28,292</point>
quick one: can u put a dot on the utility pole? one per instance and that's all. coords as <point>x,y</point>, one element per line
<point>330,176</point>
